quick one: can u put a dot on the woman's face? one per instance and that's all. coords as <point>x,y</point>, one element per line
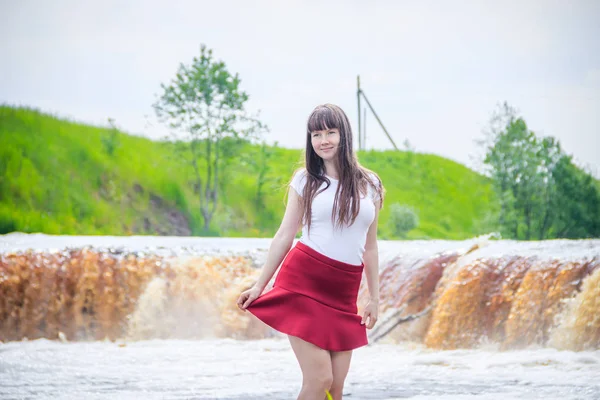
<point>325,143</point>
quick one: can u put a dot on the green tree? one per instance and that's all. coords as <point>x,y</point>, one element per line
<point>542,194</point>
<point>205,103</point>
<point>576,200</point>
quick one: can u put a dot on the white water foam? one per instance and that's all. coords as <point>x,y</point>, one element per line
<point>267,369</point>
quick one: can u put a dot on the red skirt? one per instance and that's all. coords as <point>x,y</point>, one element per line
<point>314,298</point>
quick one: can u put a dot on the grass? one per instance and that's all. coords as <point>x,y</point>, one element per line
<point>61,177</point>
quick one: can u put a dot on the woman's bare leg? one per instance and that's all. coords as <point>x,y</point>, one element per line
<point>340,363</point>
<point>315,364</point>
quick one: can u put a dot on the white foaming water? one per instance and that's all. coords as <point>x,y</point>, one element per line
<point>267,369</point>
<point>192,246</point>
<point>160,245</point>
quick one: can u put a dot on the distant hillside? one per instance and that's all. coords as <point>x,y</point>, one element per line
<point>59,177</point>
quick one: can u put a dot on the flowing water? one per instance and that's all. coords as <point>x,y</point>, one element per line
<point>155,317</point>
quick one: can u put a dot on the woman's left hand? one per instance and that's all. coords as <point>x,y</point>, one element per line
<point>370,314</point>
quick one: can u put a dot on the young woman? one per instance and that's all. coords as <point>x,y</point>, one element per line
<point>313,300</point>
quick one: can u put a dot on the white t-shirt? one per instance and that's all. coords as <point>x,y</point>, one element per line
<point>346,244</point>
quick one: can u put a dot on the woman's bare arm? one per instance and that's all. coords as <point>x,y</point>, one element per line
<point>283,239</point>
<point>371,262</point>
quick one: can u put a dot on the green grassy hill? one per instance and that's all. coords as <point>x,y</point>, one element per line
<point>60,177</point>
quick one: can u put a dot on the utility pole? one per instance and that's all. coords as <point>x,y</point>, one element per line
<point>378,120</point>
<point>359,124</point>
<point>362,133</point>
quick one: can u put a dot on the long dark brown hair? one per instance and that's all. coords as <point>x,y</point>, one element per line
<point>353,177</point>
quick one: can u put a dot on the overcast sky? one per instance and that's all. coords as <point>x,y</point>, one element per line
<point>433,70</point>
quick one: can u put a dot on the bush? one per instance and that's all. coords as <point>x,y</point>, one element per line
<point>402,219</point>
<point>7,225</point>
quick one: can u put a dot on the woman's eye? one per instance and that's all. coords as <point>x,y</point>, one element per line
<point>332,132</point>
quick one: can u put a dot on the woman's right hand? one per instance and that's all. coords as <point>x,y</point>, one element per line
<point>247,297</point>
